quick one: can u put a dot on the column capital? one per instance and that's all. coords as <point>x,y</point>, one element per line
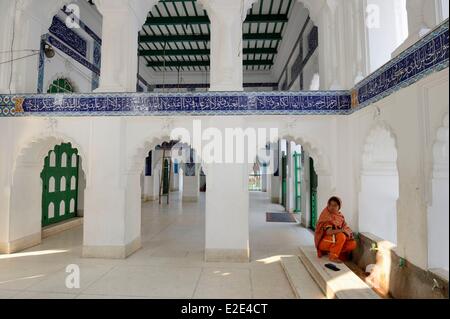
<point>314,7</point>
<point>139,8</point>
<point>220,7</point>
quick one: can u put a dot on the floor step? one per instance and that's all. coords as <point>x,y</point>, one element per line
<point>343,284</point>
<point>302,283</point>
<point>54,229</point>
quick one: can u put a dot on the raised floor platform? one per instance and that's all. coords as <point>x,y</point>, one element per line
<point>302,283</point>
<point>342,284</point>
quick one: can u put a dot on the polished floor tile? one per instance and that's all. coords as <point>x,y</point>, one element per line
<point>169,265</point>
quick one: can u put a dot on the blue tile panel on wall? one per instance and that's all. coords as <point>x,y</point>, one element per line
<point>82,25</point>
<point>41,68</point>
<point>68,36</point>
<point>430,54</point>
<point>184,104</point>
<point>74,55</point>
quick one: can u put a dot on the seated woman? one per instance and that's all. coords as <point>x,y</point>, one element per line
<point>332,233</point>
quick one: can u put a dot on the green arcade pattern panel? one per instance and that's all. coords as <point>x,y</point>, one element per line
<point>60,86</point>
<point>60,184</point>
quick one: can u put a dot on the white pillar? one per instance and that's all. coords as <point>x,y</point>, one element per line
<point>275,180</point>
<point>112,221</point>
<point>290,192</point>
<point>227,204</point>
<point>264,179</point>
<point>227,17</point>
<point>306,191</point>
<point>191,185</point>
<point>151,183</point>
<point>174,179</point>
<point>151,187</point>
<point>357,40</point>
<point>342,42</point>
<point>422,17</point>
<point>122,21</point>
<point>6,26</point>
<point>27,21</point>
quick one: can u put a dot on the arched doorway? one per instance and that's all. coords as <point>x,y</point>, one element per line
<point>379,185</point>
<point>60,184</point>
<point>50,173</point>
<point>172,213</point>
<point>438,211</point>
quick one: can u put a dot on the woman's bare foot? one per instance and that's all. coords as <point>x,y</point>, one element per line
<point>335,260</point>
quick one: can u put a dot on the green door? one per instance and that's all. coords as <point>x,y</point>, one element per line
<point>60,184</point>
<point>297,181</point>
<point>283,179</point>
<point>313,192</point>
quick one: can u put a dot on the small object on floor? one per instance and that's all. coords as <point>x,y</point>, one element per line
<point>332,267</point>
<point>280,217</point>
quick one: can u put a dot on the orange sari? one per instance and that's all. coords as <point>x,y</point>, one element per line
<point>327,220</point>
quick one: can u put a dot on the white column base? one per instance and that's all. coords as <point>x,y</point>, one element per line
<point>21,244</point>
<point>227,255</point>
<point>112,252</point>
<point>190,199</point>
<point>226,87</point>
<point>150,198</point>
<point>110,89</point>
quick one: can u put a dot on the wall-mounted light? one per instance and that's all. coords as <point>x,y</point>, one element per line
<point>49,51</point>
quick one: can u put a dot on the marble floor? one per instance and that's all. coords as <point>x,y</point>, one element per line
<point>169,265</point>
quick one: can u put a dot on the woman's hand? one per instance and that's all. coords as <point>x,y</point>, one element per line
<point>334,232</point>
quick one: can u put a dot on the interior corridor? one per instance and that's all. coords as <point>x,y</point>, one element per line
<point>169,265</point>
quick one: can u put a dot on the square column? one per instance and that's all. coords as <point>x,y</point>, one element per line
<point>27,21</point>
<point>227,195</point>
<point>151,183</point>
<point>264,179</point>
<point>227,17</point>
<point>275,181</point>
<point>174,179</point>
<point>422,17</point>
<point>227,205</point>
<point>151,187</point>
<point>191,184</point>
<point>112,221</point>
<point>122,21</point>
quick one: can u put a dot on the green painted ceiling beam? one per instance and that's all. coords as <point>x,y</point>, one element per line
<point>252,18</point>
<point>262,36</point>
<point>186,20</point>
<point>201,63</point>
<point>177,20</point>
<point>203,38</point>
<point>201,52</point>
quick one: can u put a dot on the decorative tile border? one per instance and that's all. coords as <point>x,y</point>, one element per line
<point>88,30</point>
<point>74,55</point>
<point>148,104</point>
<point>69,37</point>
<point>97,59</point>
<point>430,54</point>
